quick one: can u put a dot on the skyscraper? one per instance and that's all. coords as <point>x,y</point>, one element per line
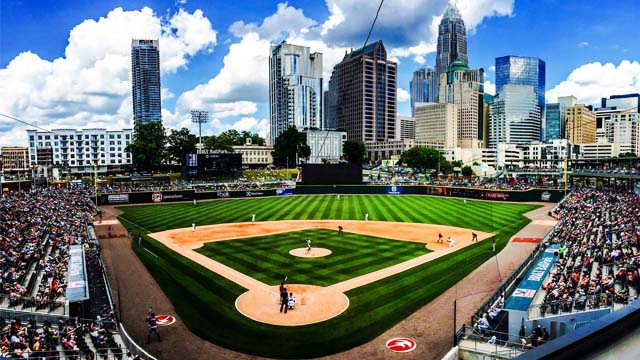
<point>452,40</point>
<point>424,87</point>
<point>465,88</point>
<point>145,81</point>
<point>514,116</point>
<point>522,70</point>
<point>295,88</point>
<point>516,75</point>
<point>362,94</point>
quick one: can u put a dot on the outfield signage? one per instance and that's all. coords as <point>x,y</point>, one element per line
<point>118,198</point>
<point>77,289</point>
<point>394,190</point>
<point>523,295</point>
<point>283,192</point>
<point>401,345</point>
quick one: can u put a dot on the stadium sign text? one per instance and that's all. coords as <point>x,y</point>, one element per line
<point>254,193</point>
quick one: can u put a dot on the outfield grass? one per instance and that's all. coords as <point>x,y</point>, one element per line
<point>205,300</point>
<point>267,259</point>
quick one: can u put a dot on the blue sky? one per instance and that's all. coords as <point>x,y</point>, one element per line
<point>65,64</point>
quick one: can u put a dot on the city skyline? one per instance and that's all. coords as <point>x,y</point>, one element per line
<point>73,70</point>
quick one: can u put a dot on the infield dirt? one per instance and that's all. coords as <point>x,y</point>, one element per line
<point>260,302</point>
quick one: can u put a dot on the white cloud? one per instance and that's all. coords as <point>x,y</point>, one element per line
<point>251,124</point>
<point>403,95</point>
<point>489,87</point>
<point>90,85</point>
<point>244,76</point>
<point>590,82</point>
<point>583,44</point>
<point>492,68</point>
<point>419,59</point>
<point>287,20</point>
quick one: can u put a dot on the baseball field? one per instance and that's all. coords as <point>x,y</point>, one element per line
<point>186,263</point>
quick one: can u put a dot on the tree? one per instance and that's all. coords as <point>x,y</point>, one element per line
<point>467,171</point>
<point>424,158</point>
<point>288,146</point>
<point>256,139</point>
<point>147,147</point>
<point>354,151</point>
<point>179,144</point>
<point>627,155</point>
<point>216,143</point>
<point>457,163</point>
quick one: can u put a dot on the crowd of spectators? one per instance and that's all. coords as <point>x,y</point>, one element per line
<point>604,168</point>
<point>198,187</point>
<point>36,229</point>
<point>597,264</point>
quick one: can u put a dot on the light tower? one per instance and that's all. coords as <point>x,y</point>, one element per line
<point>200,117</point>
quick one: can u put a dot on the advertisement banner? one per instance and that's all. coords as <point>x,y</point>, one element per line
<point>283,192</point>
<point>394,190</point>
<point>118,198</point>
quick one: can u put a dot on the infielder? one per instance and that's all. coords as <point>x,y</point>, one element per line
<point>253,218</point>
<point>193,226</point>
<point>308,245</point>
<point>366,217</point>
<point>451,242</point>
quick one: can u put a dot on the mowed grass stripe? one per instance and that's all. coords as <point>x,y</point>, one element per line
<point>266,258</point>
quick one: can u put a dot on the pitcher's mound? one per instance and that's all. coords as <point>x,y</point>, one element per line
<point>315,252</point>
<point>313,304</point>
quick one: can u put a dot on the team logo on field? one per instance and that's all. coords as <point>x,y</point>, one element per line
<point>165,320</point>
<point>156,197</point>
<point>401,345</point>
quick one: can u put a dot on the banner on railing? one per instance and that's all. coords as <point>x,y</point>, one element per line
<point>77,289</point>
<point>282,192</point>
<point>523,295</point>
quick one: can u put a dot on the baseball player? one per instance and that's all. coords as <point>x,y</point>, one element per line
<point>253,218</point>
<point>366,217</point>
<point>193,226</point>
<point>308,245</point>
<point>451,242</point>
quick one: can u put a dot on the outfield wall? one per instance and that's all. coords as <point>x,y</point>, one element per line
<point>547,195</point>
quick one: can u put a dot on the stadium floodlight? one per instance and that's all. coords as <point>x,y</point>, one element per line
<point>200,117</point>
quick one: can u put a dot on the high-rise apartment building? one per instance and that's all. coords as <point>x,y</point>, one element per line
<point>437,123</point>
<point>465,88</point>
<point>514,116</point>
<point>424,87</point>
<point>145,81</point>
<point>362,94</point>
<point>581,124</point>
<point>295,88</point>
<point>452,40</point>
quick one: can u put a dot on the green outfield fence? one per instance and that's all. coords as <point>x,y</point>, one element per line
<point>535,194</point>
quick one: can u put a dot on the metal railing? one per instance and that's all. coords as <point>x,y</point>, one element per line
<point>570,306</point>
<point>490,343</point>
<point>31,305</point>
<point>132,346</point>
